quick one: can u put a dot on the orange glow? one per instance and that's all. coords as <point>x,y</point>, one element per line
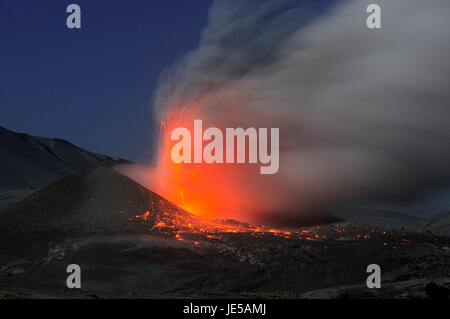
<point>206,190</point>
<point>143,216</point>
<point>195,230</point>
<point>180,224</point>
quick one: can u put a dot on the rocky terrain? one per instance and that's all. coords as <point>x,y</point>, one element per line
<point>437,224</point>
<point>132,243</point>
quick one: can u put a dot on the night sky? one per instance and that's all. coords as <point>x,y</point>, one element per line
<point>92,86</point>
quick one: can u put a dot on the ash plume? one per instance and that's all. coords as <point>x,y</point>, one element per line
<point>363,113</point>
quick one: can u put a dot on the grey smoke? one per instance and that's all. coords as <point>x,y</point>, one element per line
<point>364,115</point>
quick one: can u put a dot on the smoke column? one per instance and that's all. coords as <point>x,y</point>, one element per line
<point>364,114</point>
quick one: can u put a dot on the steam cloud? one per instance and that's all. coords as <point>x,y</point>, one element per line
<point>364,114</point>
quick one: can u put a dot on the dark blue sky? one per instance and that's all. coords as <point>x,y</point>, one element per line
<point>92,86</point>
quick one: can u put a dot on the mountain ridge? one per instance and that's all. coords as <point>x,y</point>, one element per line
<point>438,224</point>
<point>32,162</point>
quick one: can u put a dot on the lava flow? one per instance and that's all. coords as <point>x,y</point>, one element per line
<point>215,199</point>
<point>178,223</point>
<point>195,230</point>
<point>166,219</point>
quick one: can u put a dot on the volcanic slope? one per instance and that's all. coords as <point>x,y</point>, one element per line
<point>438,224</point>
<point>32,162</point>
<point>98,201</point>
<point>131,242</point>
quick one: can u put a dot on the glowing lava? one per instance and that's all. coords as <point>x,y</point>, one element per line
<point>194,230</point>
<point>206,190</point>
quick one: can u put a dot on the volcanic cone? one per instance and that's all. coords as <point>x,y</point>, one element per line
<point>98,201</point>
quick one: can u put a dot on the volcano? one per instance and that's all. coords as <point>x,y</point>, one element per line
<point>104,201</point>
<point>97,201</point>
<point>131,242</point>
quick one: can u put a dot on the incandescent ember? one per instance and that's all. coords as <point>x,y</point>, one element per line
<point>182,226</point>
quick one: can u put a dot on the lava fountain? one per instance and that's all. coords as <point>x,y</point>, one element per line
<point>207,190</point>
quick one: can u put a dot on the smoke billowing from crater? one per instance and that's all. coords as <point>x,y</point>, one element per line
<point>363,114</point>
